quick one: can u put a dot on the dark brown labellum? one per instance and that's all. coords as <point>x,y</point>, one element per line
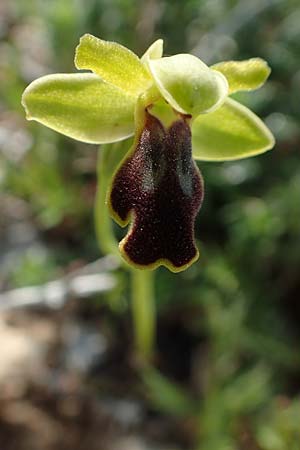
<point>160,188</point>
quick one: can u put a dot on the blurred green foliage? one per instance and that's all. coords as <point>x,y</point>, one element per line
<point>239,382</point>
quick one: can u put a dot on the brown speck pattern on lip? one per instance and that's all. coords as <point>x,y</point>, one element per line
<point>159,186</point>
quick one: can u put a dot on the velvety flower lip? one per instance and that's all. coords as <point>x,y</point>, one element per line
<point>177,108</point>
<point>160,188</point>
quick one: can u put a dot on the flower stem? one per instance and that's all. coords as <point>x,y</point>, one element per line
<point>142,281</point>
<point>143,310</point>
<point>103,223</point>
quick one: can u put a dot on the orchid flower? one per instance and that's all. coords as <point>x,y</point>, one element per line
<point>178,109</point>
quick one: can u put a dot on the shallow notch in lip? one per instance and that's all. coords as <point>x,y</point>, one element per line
<point>149,189</point>
<point>188,84</point>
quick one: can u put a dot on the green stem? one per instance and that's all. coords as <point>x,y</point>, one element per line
<point>103,223</point>
<point>143,310</point>
<point>142,289</point>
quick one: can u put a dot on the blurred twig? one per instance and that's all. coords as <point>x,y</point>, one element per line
<point>149,15</point>
<point>212,43</point>
<point>90,279</point>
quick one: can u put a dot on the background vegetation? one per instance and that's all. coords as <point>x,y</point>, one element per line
<point>226,373</point>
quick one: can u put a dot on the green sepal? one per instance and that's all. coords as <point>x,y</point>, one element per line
<point>230,132</point>
<point>81,106</point>
<point>244,75</point>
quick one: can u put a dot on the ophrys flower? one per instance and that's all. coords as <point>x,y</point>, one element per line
<point>177,108</point>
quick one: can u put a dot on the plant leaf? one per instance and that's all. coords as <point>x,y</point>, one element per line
<point>188,84</point>
<point>81,106</point>
<point>231,132</point>
<point>113,63</point>
<point>244,75</point>
<point>167,396</point>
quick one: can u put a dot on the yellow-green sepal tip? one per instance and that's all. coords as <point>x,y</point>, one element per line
<point>231,132</point>
<point>244,75</point>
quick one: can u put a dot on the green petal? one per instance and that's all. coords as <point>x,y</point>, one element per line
<point>155,51</point>
<point>244,75</point>
<point>188,84</point>
<point>113,63</point>
<point>231,132</point>
<point>81,106</point>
